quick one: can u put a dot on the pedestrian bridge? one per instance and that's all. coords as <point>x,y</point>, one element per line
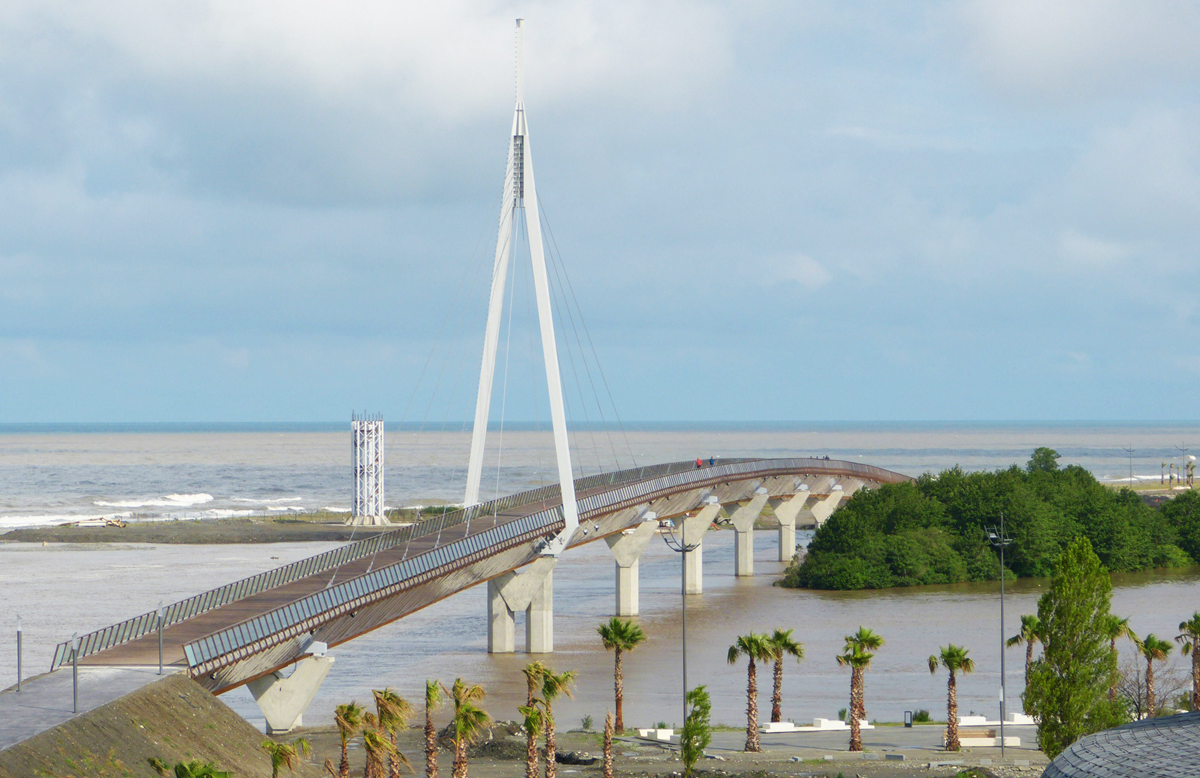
<point>247,631</point>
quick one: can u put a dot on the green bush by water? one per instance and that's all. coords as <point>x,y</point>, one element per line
<point>934,530</point>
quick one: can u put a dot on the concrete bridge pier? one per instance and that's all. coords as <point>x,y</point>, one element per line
<point>694,529</point>
<point>786,512</point>
<point>627,548</point>
<point>743,523</point>
<point>283,700</point>
<point>531,591</point>
<point>838,492</point>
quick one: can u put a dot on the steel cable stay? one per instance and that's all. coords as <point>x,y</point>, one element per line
<point>569,289</point>
<point>561,295</point>
<point>575,375</point>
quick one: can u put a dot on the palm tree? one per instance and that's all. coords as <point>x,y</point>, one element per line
<point>392,712</point>
<point>534,673</point>
<point>198,769</point>
<point>285,754</point>
<point>1031,628</point>
<point>608,736</point>
<point>433,698</point>
<point>1189,640</point>
<point>782,645</point>
<point>756,648</point>
<point>469,721</point>
<point>377,748</point>
<point>858,658</point>
<point>552,686</point>
<point>532,721</point>
<point>1115,628</point>
<point>1155,649</point>
<point>349,719</point>
<point>953,658</point>
<point>620,635</point>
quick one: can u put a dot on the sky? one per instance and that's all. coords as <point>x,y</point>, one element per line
<point>254,211</point>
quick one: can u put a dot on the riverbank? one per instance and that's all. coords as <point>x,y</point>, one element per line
<point>174,720</point>
<point>330,527</point>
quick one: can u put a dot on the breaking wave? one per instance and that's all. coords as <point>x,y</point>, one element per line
<point>170,501</point>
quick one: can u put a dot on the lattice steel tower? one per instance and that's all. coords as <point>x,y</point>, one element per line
<point>366,447</point>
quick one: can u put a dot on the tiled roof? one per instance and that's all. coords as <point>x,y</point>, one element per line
<point>1166,747</point>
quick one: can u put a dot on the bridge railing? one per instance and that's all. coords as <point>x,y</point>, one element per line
<point>274,627</point>
<point>147,623</point>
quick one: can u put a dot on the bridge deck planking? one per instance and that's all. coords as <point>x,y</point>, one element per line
<point>144,651</point>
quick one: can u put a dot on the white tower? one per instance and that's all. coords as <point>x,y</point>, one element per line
<point>520,197</point>
<point>366,446</point>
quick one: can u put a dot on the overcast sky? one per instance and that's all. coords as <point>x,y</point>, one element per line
<point>261,211</point>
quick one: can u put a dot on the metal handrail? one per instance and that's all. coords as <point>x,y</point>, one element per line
<point>278,625</point>
<point>147,623</point>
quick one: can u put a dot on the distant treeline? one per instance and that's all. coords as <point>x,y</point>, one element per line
<point>934,530</point>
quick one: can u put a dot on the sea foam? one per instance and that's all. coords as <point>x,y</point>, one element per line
<point>169,501</point>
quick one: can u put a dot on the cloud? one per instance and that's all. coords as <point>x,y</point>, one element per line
<point>1087,250</point>
<point>1074,49</point>
<point>798,269</point>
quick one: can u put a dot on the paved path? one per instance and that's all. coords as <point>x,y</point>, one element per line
<point>919,745</point>
<point>45,701</point>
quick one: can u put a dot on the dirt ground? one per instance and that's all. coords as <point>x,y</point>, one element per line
<point>501,755</point>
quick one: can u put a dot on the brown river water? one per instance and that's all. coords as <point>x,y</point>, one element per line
<point>88,587</point>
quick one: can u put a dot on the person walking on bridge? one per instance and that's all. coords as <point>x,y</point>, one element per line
<point>699,463</point>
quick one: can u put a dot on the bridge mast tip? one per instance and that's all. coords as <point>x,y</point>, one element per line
<point>520,61</point>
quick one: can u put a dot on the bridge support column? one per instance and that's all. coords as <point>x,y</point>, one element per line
<point>743,523</point>
<point>531,591</point>
<point>283,700</point>
<point>825,508</point>
<point>786,512</point>
<point>627,549</point>
<point>694,529</point>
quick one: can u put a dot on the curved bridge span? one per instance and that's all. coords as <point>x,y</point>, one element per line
<point>247,631</point>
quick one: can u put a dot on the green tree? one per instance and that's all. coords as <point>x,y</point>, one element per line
<point>608,748</point>
<point>1114,628</point>
<point>697,729</point>
<point>756,648</point>
<point>620,636</point>
<point>198,769</point>
<point>349,720</point>
<point>434,692</point>
<point>956,660</point>
<point>782,645</point>
<point>285,754</point>
<point>377,749</point>
<point>553,685</point>
<point>392,712</point>
<point>1189,643</point>
<point>1028,637</point>
<point>1068,685</point>
<point>469,722</point>
<point>531,721</point>
<point>856,654</point>
<point>1044,460</point>
<point>534,673</point>
<point>1154,649</point>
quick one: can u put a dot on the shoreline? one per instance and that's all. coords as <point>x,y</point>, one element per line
<point>248,529</point>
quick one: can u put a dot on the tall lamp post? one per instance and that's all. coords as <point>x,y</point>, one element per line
<point>19,653</point>
<point>999,540</point>
<point>675,538</point>
<point>74,672</point>
<point>160,636</point>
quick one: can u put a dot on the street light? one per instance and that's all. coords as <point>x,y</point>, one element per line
<point>1001,541</point>
<point>678,544</point>
<point>19,653</point>
<point>160,636</point>
<point>74,672</point>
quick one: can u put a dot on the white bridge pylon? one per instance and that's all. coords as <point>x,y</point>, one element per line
<point>520,195</point>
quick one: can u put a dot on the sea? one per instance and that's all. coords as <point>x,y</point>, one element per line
<point>52,475</point>
<point>55,474</point>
